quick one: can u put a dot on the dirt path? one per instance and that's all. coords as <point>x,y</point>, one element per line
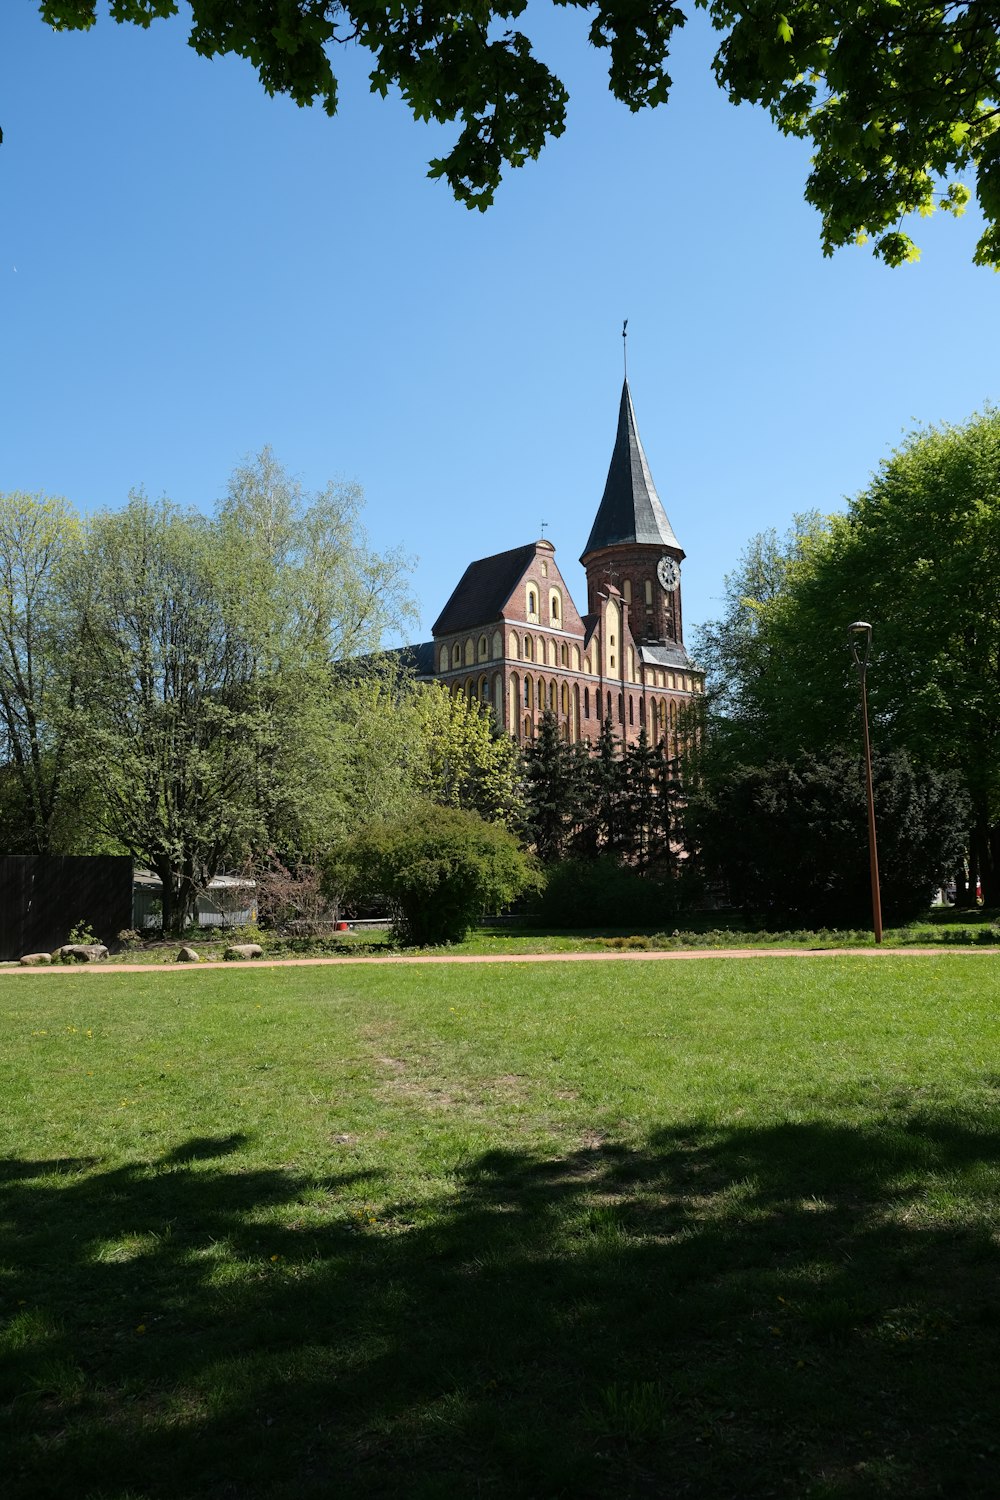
<point>630,955</point>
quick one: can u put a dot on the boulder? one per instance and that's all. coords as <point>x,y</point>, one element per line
<point>83,953</point>
<point>187,956</point>
<point>244,950</point>
<point>35,960</point>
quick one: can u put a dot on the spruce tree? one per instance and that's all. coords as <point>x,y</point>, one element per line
<point>552,791</point>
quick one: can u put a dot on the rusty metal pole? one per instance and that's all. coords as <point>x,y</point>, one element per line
<point>860,631</point>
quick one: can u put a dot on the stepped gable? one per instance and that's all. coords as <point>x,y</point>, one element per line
<point>630,510</point>
<point>483,590</point>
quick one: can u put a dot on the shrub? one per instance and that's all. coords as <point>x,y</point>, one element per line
<point>604,893</point>
<point>439,868</point>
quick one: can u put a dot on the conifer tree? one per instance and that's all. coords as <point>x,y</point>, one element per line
<point>552,789</point>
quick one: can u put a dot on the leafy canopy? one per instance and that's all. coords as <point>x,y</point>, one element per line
<point>896,96</point>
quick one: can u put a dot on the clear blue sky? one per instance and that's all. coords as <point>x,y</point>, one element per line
<point>201,270</point>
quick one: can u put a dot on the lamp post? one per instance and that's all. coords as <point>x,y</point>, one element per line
<point>860,636</point>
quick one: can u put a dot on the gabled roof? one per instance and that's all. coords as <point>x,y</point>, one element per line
<point>630,510</point>
<point>483,590</point>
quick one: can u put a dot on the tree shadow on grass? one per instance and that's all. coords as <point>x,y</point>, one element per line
<point>801,1309</point>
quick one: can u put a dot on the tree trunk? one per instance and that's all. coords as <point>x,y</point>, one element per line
<point>965,893</point>
<point>990,869</point>
<point>180,895</point>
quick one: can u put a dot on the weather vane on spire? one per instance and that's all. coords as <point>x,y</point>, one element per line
<point>544,524</point>
<point>625,346</point>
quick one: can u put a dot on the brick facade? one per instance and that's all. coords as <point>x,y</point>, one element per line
<point>512,637</point>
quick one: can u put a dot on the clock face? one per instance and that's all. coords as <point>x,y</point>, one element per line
<point>668,573</point>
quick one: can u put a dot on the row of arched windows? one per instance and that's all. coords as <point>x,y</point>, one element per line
<point>582,713</point>
<point>464,654</point>
<point>546,652</point>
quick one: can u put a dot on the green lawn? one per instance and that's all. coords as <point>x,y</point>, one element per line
<point>724,1228</point>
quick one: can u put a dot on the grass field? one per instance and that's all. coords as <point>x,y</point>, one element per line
<point>720,1228</point>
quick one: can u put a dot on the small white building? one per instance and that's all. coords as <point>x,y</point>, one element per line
<point>228,901</point>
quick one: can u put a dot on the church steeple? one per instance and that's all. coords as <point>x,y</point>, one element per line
<point>630,510</point>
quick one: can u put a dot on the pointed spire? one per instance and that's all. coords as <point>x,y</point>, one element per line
<point>630,510</point>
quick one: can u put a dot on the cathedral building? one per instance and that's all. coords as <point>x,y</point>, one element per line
<point>512,637</point>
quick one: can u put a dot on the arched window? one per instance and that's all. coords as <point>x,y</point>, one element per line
<point>515,701</point>
<point>586,665</point>
<point>512,646</point>
<point>498,696</point>
<point>532,602</point>
<point>456,655</point>
<point>564,654</point>
<point>642,713</point>
<point>555,607</point>
<point>552,653</point>
<point>576,659</point>
<point>609,706</point>
<point>484,689</point>
<point>621,709</point>
<point>529,730</point>
<point>444,659</point>
<point>552,695</point>
<point>565,697</point>
<point>631,665</point>
<point>483,648</point>
<point>529,693</point>
<point>586,703</point>
<point>627,591</point>
<point>498,645</point>
<point>649,593</point>
<point>470,652</point>
<point>631,709</point>
<point>529,648</point>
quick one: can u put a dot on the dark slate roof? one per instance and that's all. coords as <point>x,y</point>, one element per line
<point>590,624</point>
<point>670,655</point>
<point>417,659</point>
<point>630,510</point>
<point>483,590</point>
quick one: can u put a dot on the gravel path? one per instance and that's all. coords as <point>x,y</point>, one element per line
<point>628,956</point>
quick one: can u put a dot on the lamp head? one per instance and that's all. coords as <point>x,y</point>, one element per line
<point>859,633</point>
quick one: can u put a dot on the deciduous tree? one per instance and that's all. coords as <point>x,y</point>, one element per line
<point>917,555</point>
<point>209,643</point>
<point>38,681</point>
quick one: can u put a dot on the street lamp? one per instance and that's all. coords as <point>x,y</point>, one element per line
<point>860,636</point>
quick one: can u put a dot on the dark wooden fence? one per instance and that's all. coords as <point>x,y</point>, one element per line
<point>43,895</point>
